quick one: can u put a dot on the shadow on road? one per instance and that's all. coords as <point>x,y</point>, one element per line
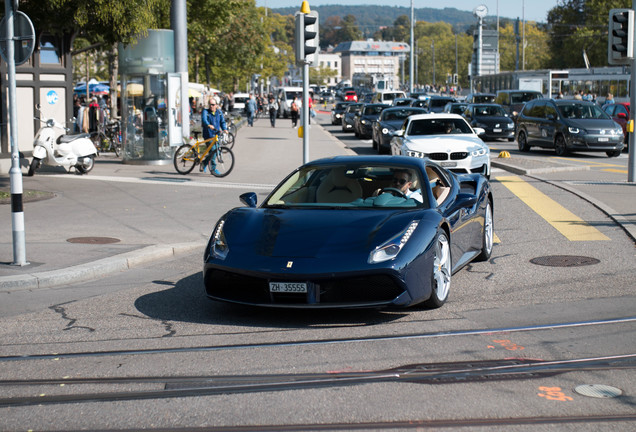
<point>186,301</point>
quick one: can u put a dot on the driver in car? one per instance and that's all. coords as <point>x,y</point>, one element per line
<point>403,181</point>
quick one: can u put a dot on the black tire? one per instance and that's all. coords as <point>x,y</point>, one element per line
<point>613,153</point>
<point>35,165</point>
<point>85,164</point>
<point>224,163</point>
<point>228,140</point>
<point>560,147</point>
<point>522,142</point>
<point>231,127</point>
<point>441,274</point>
<point>487,235</point>
<point>184,159</point>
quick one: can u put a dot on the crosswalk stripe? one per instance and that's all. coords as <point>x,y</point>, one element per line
<point>567,223</point>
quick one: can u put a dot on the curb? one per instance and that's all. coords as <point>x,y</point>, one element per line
<point>97,269</point>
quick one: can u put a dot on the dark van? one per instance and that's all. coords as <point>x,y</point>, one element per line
<point>514,100</point>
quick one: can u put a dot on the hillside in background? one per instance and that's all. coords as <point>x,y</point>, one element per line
<point>370,18</point>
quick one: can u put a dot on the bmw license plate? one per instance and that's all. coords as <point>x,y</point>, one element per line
<point>448,164</point>
<point>288,287</point>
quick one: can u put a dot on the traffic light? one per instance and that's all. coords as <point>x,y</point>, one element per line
<point>620,41</point>
<point>307,38</point>
<point>455,79</point>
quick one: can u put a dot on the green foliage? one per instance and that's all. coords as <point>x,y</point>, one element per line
<point>577,25</point>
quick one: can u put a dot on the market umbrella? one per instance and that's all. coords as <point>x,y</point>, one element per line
<point>194,93</point>
<point>93,88</point>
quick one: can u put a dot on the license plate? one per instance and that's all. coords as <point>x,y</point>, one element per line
<point>448,164</point>
<point>288,287</point>
<point>496,130</point>
<point>603,139</point>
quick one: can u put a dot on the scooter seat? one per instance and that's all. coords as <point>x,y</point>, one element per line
<point>68,138</point>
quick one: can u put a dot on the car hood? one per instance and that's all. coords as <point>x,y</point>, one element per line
<point>393,124</point>
<point>309,233</point>
<point>442,142</point>
<point>592,123</point>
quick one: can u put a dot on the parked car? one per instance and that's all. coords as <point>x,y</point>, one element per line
<point>239,100</point>
<point>351,96</point>
<point>389,121</point>
<point>337,112</point>
<point>446,139</point>
<point>480,98</point>
<point>492,119</point>
<point>347,119</point>
<point>455,107</point>
<point>619,112</point>
<point>436,104</point>
<point>514,100</point>
<point>568,125</point>
<point>363,121</point>
<point>352,231</point>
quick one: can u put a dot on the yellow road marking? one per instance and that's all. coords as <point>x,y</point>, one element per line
<point>615,170</point>
<point>567,223</point>
<point>495,238</point>
<point>600,164</point>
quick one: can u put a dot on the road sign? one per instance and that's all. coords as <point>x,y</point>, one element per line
<point>24,36</point>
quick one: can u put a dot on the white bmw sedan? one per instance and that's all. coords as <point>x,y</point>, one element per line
<point>446,139</point>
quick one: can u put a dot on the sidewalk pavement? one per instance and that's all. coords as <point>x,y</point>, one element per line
<point>56,262</point>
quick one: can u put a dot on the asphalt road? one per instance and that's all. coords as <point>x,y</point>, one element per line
<point>518,346</point>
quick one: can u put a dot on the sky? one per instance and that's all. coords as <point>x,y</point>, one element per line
<point>533,10</point>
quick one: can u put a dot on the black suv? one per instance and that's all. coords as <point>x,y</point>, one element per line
<point>568,125</point>
<point>513,100</point>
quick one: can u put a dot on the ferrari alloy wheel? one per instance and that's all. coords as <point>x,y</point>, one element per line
<point>486,249</point>
<point>441,279</point>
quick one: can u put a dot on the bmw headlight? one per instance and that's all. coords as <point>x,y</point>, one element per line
<point>479,152</point>
<point>218,246</point>
<point>416,154</point>
<point>389,249</point>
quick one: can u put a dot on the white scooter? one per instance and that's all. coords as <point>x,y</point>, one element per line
<point>68,151</point>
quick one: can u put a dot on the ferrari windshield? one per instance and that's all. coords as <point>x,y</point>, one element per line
<point>439,126</point>
<point>350,186</point>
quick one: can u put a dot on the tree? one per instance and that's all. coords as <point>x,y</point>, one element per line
<point>537,54</point>
<point>577,26</point>
<point>335,30</point>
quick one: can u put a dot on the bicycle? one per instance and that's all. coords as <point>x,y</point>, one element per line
<point>188,156</point>
<point>108,138</point>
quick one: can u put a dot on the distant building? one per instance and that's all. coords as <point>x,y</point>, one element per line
<point>372,57</point>
<point>334,62</point>
<point>489,53</point>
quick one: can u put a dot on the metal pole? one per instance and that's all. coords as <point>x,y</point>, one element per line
<point>305,120</point>
<point>15,173</point>
<point>433,47</point>
<point>631,161</point>
<point>179,24</point>
<point>411,65</point>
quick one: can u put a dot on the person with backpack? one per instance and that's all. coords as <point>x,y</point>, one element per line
<point>294,110</point>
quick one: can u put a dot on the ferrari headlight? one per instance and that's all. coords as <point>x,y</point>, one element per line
<point>218,246</point>
<point>389,249</point>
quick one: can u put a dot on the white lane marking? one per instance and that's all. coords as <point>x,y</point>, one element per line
<point>168,180</point>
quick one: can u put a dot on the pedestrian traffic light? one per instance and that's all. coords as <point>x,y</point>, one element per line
<point>306,36</point>
<point>620,41</point>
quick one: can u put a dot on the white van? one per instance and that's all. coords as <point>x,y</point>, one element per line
<point>240,99</point>
<point>285,96</point>
<point>387,96</point>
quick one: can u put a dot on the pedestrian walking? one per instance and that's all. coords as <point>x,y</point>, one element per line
<point>250,107</point>
<point>294,113</point>
<point>273,110</point>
